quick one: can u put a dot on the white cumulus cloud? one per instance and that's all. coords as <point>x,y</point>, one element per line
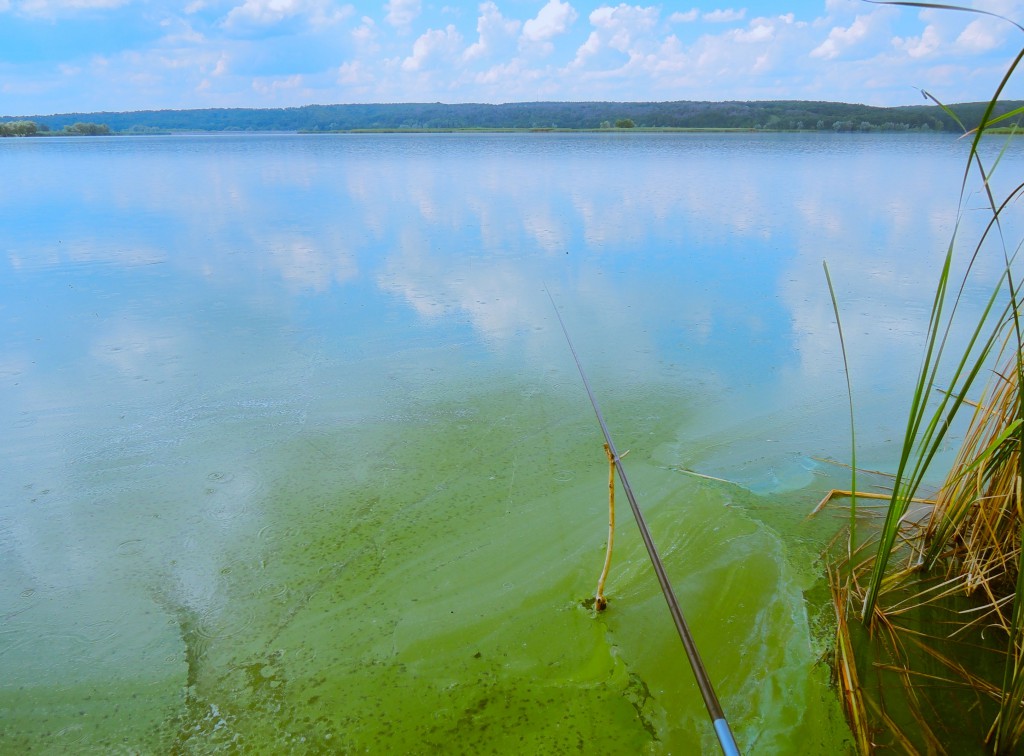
<point>432,43</point>
<point>982,35</point>
<point>919,47</point>
<point>840,39</point>
<point>366,32</point>
<point>270,12</point>
<point>680,17</point>
<point>353,72</point>
<point>760,30</point>
<point>492,29</point>
<point>623,29</point>
<point>624,24</point>
<point>504,73</point>
<point>401,13</point>
<point>553,19</point>
<point>725,15</point>
<point>53,8</point>
<point>271,86</point>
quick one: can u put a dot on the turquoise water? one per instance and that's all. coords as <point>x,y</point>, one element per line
<point>296,456</point>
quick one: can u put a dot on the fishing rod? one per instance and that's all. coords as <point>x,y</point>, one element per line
<point>725,738</point>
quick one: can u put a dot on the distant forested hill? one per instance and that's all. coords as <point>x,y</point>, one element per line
<point>532,115</point>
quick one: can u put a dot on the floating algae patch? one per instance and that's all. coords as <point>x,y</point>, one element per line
<point>419,584</point>
<point>413,578</point>
<point>744,601</point>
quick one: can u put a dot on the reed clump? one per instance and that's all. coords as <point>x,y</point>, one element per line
<point>974,528</point>
<point>929,594</point>
<point>947,617</point>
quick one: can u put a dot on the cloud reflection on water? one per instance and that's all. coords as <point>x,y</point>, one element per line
<point>736,223</point>
<point>718,239</point>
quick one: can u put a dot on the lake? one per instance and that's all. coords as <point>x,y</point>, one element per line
<point>296,456</point>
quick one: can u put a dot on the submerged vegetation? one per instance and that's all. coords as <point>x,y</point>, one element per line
<point>930,599</point>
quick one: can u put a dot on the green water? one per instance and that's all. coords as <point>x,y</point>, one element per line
<point>416,584</point>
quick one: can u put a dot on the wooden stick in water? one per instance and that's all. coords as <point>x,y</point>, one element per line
<point>600,602</point>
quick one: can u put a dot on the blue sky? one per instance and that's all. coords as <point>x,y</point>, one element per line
<point>90,55</point>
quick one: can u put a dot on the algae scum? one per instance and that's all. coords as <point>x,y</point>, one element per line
<point>416,583</point>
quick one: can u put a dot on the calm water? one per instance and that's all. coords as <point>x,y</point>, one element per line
<point>295,455</point>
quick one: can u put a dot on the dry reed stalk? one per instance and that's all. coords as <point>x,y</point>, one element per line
<point>600,602</point>
<point>836,493</point>
<point>696,474</point>
<point>846,668</point>
<point>905,744</point>
<point>977,684</point>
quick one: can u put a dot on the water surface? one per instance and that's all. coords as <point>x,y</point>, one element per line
<point>296,456</point>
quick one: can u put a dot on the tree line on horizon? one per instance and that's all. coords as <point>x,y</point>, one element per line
<point>23,128</point>
<point>780,115</point>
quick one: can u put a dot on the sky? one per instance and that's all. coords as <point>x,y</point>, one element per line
<point>59,56</point>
